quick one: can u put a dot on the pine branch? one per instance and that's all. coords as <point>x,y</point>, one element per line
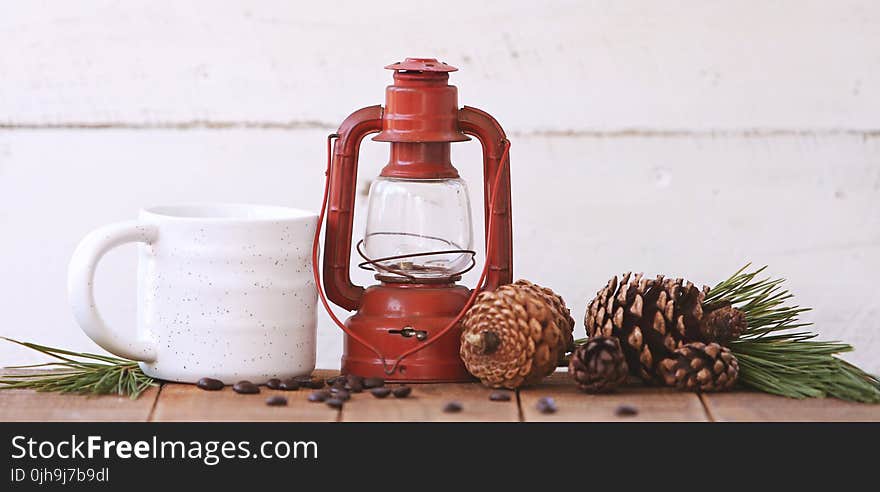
<point>775,358</point>
<point>79,374</point>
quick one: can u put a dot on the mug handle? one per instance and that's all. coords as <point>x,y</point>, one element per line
<point>81,279</point>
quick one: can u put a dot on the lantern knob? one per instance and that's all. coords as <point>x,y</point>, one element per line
<point>422,65</point>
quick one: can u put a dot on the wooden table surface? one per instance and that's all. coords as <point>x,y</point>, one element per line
<point>181,402</point>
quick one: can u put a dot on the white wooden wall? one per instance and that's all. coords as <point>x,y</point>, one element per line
<point>683,138</point>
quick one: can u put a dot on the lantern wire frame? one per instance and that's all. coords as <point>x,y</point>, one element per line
<point>504,163</point>
<point>378,264</point>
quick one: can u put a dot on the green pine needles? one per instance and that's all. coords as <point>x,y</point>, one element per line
<point>80,373</point>
<point>775,356</point>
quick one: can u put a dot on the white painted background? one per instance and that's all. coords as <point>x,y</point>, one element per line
<point>677,137</point>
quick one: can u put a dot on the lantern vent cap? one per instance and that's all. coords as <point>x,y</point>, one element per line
<point>422,65</point>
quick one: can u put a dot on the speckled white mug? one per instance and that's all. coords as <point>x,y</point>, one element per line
<point>224,291</point>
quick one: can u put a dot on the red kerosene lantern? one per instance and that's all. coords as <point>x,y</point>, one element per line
<point>418,236</point>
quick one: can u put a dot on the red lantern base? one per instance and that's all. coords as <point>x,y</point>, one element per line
<point>395,317</point>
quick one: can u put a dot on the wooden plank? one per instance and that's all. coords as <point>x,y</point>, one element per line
<point>620,64</point>
<point>21,405</point>
<point>426,403</point>
<point>652,404</point>
<point>763,407</point>
<point>185,402</point>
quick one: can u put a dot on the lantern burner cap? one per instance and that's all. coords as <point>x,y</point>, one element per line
<point>421,65</point>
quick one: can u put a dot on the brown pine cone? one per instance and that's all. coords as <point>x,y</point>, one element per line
<point>562,316</point>
<point>700,367</point>
<point>654,317</point>
<point>722,325</point>
<point>598,366</point>
<point>510,337</point>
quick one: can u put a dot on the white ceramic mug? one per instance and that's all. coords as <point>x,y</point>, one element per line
<point>224,291</point>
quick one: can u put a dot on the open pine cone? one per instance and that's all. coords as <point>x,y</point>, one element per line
<point>700,367</point>
<point>562,315</point>
<point>598,365</point>
<point>511,337</point>
<point>654,317</point>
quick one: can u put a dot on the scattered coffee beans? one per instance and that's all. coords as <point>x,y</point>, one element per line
<point>402,391</point>
<point>209,384</point>
<point>316,383</point>
<point>626,411</point>
<point>373,383</point>
<point>276,401</point>
<point>499,396</point>
<point>453,407</point>
<point>335,403</point>
<point>273,383</point>
<point>546,405</point>
<point>334,380</point>
<point>342,394</point>
<point>246,388</point>
<point>317,396</point>
<point>289,385</point>
<point>380,392</point>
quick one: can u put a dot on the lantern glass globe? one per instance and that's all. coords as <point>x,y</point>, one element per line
<point>418,216</point>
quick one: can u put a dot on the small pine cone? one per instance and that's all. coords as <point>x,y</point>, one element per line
<point>700,367</point>
<point>723,325</point>
<point>599,365</point>
<point>510,337</point>
<point>563,315</point>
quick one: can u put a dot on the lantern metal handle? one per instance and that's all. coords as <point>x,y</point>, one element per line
<point>340,213</point>
<point>503,162</point>
<point>499,255</point>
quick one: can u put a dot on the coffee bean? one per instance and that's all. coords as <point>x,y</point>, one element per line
<point>209,384</point>
<point>334,380</point>
<point>289,385</point>
<point>276,401</point>
<point>317,396</point>
<point>626,411</point>
<point>309,382</point>
<point>273,383</point>
<point>349,378</point>
<point>499,396</point>
<point>342,394</point>
<point>355,386</point>
<point>373,383</point>
<point>335,403</point>
<point>546,405</point>
<point>402,391</point>
<point>246,388</point>
<point>381,392</point>
<point>453,407</point>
